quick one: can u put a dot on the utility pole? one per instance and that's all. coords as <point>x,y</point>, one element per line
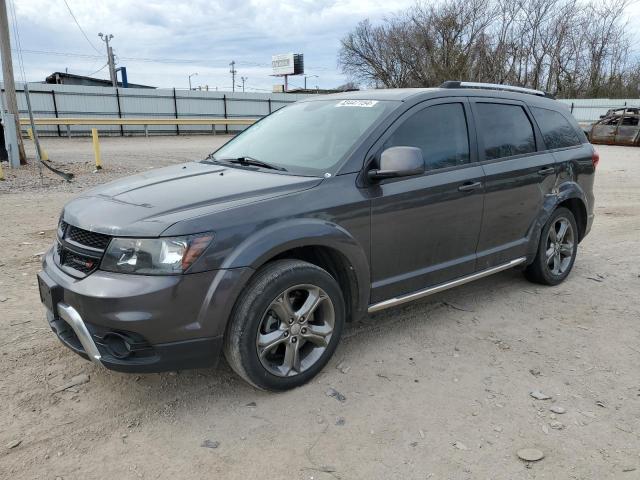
<point>7,76</point>
<point>105,37</point>
<point>244,79</point>
<point>233,72</point>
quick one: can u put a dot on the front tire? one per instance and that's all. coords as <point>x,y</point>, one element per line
<point>556,250</point>
<point>285,326</point>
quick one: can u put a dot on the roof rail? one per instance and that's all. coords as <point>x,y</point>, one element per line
<point>495,86</point>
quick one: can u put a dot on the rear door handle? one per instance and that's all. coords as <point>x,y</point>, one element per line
<point>469,186</point>
<point>546,171</point>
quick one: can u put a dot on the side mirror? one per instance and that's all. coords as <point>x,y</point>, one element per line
<point>399,162</point>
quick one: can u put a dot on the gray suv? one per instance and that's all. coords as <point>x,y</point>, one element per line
<point>324,211</point>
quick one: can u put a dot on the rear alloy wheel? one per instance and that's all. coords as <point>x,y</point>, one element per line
<point>557,249</point>
<point>285,326</point>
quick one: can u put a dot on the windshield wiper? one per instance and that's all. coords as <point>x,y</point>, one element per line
<point>253,162</point>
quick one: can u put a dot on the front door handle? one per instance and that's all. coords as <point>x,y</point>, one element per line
<point>469,186</point>
<point>546,171</point>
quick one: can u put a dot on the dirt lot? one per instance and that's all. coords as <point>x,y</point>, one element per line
<point>439,389</point>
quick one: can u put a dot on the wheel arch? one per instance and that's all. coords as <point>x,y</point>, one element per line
<point>569,195</point>
<point>579,210</point>
<point>319,242</point>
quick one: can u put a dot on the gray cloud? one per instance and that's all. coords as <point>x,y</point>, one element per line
<point>205,35</point>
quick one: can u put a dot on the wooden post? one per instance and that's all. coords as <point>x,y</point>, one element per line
<point>7,77</point>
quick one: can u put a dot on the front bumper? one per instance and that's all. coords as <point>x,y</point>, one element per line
<point>74,334</point>
<point>136,323</point>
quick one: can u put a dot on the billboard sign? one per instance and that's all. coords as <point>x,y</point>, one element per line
<point>282,64</point>
<point>287,64</point>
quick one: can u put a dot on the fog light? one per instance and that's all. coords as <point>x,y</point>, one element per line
<point>118,345</point>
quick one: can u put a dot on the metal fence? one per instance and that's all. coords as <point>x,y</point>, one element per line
<point>590,110</point>
<point>66,101</point>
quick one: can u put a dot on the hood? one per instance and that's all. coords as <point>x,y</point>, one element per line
<point>147,204</point>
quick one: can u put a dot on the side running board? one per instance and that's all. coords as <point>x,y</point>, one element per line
<point>392,302</point>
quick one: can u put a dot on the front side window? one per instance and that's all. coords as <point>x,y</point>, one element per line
<point>556,130</point>
<point>440,131</point>
<point>505,130</point>
<point>307,138</point>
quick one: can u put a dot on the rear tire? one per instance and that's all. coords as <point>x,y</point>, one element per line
<point>556,250</point>
<point>285,326</point>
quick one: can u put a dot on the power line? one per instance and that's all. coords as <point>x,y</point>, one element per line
<point>90,56</point>
<point>16,32</point>
<point>80,28</point>
<point>97,71</point>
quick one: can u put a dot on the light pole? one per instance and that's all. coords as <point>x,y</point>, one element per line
<point>192,75</point>
<point>243,79</point>
<point>105,37</point>
<point>305,79</point>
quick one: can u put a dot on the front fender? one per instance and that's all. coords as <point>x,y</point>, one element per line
<point>267,243</point>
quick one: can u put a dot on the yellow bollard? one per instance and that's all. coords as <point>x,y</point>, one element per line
<point>96,148</point>
<point>43,152</point>
<point>1,172</point>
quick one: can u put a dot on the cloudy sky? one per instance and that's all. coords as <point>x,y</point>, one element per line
<point>162,41</point>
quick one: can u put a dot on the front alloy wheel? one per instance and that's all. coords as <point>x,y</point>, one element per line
<point>295,330</point>
<point>285,325</point>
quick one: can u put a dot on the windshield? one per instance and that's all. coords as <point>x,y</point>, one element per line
<point>306,138</point>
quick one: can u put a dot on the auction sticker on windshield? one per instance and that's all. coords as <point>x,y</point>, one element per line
<point>357,103</point>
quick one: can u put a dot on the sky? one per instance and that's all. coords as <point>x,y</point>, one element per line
<point>162,42</point>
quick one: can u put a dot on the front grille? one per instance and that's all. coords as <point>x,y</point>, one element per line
<point>87,238</point>
<point>81,263</point>
<point>79,251</point>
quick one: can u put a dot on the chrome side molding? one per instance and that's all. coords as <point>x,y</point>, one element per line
<point>73,318</point>
<point>392,302</point>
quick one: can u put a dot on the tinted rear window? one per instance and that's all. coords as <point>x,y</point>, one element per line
<point>505,130</point>
<point>556,130</point>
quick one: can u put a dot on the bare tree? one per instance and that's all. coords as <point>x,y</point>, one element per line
<point>571,47</point>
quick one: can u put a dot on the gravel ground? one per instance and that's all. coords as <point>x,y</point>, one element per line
<point>437,389</point>
<point>120,157</point>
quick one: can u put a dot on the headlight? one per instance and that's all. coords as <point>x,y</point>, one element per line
<point>154,256</point>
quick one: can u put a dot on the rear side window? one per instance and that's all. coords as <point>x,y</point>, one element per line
<point>440,131</point>
<point>556,130</point>
<point>505,130</point>
<point>610,121</point>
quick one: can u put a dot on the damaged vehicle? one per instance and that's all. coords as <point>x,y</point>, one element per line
<point>329,209</point>
<point>620,126</point>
